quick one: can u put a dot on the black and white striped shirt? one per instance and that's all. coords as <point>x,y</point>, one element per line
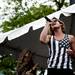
<point>58,56</point>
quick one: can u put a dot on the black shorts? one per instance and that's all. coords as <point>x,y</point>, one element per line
<point>52,71</point>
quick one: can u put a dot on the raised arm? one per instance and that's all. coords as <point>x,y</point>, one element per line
<point>44,36</point>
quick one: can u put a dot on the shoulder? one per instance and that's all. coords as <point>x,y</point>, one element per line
<point>71,38</point>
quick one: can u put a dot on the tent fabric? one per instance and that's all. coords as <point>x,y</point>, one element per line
<point>24,29</point>
<point>69,9</point>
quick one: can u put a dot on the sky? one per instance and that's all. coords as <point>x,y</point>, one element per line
<point>3,10</point>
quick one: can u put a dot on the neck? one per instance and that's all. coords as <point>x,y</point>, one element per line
<point>58,32</point>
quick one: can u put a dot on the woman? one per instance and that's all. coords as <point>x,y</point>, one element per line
<point>61,47</point>
<point>25,65</point>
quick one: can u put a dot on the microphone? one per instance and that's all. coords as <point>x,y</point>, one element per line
<point>47,19</point>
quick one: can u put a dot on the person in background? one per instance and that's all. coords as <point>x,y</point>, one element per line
<point>61,47</point>
<point>25,65</point>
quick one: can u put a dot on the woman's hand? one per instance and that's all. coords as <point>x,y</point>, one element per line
<point>70,52</point>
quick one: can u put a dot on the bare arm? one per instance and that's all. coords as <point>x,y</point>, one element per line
<point>44,37</point>
<point>73,44</point>
<point>72,49</point>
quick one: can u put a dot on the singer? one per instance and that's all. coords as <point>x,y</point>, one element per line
<point>61,47</point>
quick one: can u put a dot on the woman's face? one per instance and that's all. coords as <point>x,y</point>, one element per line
<point>55,24</point>
<point>27,57</point>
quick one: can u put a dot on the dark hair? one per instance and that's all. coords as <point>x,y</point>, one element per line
<point>22,55</point>
<point>25,62</point>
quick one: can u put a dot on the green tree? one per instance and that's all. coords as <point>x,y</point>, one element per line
<point>32,14</point>
<point>60,3</point>
<point>8,65</point>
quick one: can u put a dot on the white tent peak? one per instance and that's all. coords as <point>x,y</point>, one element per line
<point>70,9</point>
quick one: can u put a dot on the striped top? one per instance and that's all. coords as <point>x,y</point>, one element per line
<point>58,56</point>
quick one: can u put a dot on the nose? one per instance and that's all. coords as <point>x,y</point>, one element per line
<point>54,23</point>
